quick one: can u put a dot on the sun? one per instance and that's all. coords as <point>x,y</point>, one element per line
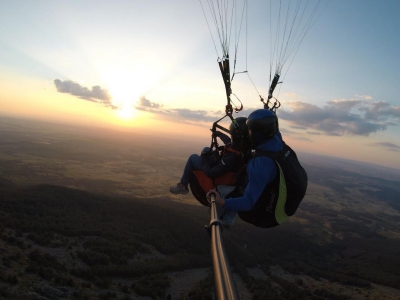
<point>126,112</point>
<point>126,86</point>
<point>124,100</point>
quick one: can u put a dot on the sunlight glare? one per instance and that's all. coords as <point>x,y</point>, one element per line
<point>126,112</point>
<point>126,87</point>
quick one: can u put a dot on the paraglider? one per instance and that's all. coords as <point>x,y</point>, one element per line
<point>289,23</point>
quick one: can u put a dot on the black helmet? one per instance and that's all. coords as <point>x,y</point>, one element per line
<point>238,130</point>
<point>263,124</point>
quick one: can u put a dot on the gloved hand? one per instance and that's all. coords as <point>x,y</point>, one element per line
<point>218,199</point>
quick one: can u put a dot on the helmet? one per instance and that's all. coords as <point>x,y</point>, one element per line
<point>262,124</point>
<point>238,130</point>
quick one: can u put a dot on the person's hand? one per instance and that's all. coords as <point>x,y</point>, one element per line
<point>205,152</point>
<point>218,199</point>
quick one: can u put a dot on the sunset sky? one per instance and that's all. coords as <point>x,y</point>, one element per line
<point>152,65</point>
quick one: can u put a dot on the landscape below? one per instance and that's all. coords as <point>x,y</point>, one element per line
<point>88,215</point>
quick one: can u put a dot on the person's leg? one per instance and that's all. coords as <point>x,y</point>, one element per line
<point>227,217</point>
<point>192,164</point>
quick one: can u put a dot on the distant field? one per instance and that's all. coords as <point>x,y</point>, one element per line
<point>116,163</point>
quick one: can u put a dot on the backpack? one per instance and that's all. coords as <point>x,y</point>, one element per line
<point>292,181</point>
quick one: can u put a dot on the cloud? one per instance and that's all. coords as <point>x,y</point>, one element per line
<point>381,110</point>
<point>298,127</point>
<point>387,146</point>
<point>295,135</point>
<point>96,94</point>
<point>194,115</point>
<point>143,102</point>
<point>174,114</point>
<point>336,118</point>
<point>303,138</point>
<point>340,117</point>
<point>285,131</point>
<point>358,116</point>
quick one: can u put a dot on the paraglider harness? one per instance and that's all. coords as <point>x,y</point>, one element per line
<point>200,183</point>
<point>282,197</point>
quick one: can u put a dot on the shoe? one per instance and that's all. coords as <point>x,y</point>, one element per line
<point>228,218</point>
<point>179,189</point>
<point>226,224</point>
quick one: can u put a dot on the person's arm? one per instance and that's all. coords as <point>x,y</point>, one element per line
<point>228,163</point>
<point>261,172</point>
<point>218,199</point>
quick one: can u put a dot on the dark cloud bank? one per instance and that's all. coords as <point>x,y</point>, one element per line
<point>387,146</point>
<point>357,117</point>
<point>336,118</point>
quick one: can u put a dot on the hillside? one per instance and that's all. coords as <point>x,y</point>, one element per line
<point>74,244</point>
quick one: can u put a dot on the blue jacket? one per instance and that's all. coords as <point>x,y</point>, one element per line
<point>230,161</point>
<point>261,171</point>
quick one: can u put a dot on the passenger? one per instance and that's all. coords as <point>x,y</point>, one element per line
<point>208,162</point>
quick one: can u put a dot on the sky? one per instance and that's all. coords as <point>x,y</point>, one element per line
<point>152,66</point>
